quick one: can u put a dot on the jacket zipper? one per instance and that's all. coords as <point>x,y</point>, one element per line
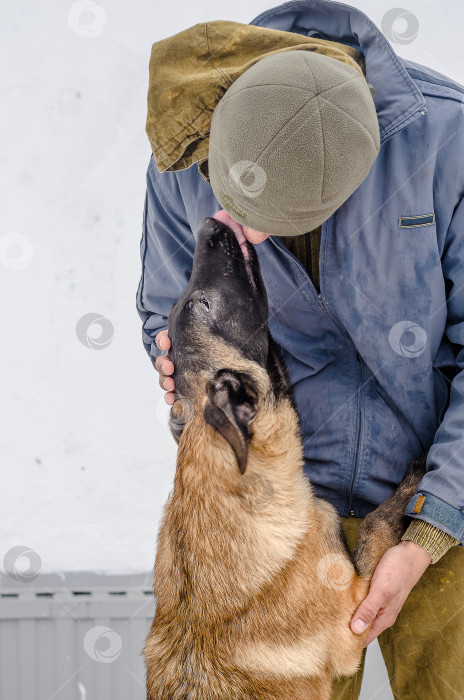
<point>318,296</point>
<point>358,432</point>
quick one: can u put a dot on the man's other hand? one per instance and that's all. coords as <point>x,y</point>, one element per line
<point>395,576</point>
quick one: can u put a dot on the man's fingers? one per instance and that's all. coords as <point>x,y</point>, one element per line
<point>163,365</point>
<point>162,340</point>
<point>367,611</point>
<point>377,627</point>
<point>381,623</point>
<point>167,367</point>
<point>166,383</point>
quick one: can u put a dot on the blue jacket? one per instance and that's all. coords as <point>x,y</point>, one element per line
<point>376,360</point>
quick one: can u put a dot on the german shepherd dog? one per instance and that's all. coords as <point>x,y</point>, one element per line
<point>254,584</point>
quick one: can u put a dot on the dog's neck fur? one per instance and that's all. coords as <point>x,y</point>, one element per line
<point>233,532</point>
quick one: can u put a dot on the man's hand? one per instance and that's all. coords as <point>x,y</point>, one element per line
<point>395,576</point>
<point>165,367</point>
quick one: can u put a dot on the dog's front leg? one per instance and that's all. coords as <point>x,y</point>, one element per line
<point>384,526</point>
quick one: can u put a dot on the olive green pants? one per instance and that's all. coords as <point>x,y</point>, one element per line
<point>424,650</point>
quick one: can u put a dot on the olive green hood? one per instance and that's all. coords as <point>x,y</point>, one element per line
<point>190,72</point>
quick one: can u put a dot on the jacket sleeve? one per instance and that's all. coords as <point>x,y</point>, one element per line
<point>167,246</point>
<point>439,498</point>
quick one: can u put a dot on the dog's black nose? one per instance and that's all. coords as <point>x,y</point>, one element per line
<point>208,225</point>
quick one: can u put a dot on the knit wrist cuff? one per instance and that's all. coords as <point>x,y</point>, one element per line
<point>431,538</point>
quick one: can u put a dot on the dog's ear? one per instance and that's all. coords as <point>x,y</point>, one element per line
<point>231,409</point>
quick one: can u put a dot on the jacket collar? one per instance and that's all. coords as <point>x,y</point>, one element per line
<point>398,100</point>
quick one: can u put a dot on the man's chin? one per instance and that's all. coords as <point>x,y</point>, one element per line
<point>254,236</point>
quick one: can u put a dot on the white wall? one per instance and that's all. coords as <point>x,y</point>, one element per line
<point>87,459</point>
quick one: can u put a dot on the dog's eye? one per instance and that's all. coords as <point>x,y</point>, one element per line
<point>204,302</point>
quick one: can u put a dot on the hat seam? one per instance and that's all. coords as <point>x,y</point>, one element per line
<point>289,120</point>
<point>347,114</point>
<point>333,87</point>
<point>257,160</point>
<point>226,97</point>
<point>323,149</point>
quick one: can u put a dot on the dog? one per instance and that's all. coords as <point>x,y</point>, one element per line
<point>254,584</point>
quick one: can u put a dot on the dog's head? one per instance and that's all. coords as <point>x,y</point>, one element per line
<point>225,361</point>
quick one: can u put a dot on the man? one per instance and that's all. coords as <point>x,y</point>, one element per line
<point>361,247</point>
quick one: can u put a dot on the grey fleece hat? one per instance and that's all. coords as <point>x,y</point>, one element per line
<point>291,140</point>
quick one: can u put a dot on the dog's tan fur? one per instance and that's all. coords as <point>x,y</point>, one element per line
<point>254,592</point>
